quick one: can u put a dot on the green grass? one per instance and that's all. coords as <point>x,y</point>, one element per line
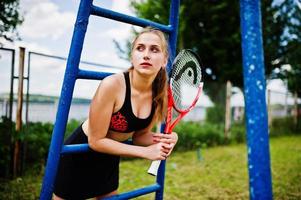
<point>220,174</point>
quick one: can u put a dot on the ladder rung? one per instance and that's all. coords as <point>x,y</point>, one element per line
<point>78,148</point>
<point>75,148</point>
<point>136,193</point>
<point>86,74</point>
<point>102,12</point>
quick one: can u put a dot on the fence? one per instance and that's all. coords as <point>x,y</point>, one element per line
<point>43,87</point>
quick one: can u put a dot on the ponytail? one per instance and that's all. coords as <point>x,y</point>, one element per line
<point>160,95</point>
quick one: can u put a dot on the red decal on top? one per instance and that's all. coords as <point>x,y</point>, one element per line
<point>118,122</point>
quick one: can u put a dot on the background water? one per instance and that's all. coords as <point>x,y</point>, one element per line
<point>46,112</point>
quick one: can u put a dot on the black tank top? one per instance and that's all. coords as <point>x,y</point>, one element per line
<point>124,120</point>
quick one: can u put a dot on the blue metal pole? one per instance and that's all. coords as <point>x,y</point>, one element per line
<point>102,12</point>
<point>173,21</point>
<point>260,180</point>
<point>135,193</point>
<point>65,99</point>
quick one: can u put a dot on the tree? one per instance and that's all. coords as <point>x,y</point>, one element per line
<point>10,18</point>
<point>212,28</point>
<point>289,15</point>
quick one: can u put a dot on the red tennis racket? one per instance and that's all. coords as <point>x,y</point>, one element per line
<point>185,86</point>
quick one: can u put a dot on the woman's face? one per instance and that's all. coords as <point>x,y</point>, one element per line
<point>147,54</point>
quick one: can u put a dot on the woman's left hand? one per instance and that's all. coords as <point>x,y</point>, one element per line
<point>170,139</point>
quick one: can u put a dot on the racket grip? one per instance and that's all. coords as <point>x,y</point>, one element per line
<point>153,169</point>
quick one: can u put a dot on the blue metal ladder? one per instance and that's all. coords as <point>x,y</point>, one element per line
<point>72,73</point>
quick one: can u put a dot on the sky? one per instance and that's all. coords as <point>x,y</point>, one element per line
<point>48,27</point>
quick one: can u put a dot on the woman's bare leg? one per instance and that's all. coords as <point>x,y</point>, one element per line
<point>107,195</point>
<point>54,197</point>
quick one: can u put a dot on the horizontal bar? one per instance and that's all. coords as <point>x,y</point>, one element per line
<point>82,62</point>
<point>24,77</point>
<point>7,49</point>
<point>136,193</point>
<point>75,148</point>
<point>78,148</point>
<point>47,55</point>
<point>102,12</point>
<point>86,74</point>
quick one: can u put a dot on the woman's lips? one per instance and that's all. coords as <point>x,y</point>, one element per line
<point>146,64</point>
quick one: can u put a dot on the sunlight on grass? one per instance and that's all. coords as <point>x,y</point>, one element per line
<point>221,173</point>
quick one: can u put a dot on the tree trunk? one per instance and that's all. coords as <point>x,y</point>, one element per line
<point>295,109</point>
<point>17,147</point>
<point>228,110</point>
<point>269,109</point>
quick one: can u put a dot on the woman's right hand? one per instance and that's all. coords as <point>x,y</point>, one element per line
<point>157,151</point>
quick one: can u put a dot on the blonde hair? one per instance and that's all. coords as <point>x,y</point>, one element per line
<point>160,83</point>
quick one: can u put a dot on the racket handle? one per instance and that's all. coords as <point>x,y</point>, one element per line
<point>153,169</point>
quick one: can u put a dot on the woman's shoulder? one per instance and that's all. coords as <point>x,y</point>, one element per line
<point>113,82</point>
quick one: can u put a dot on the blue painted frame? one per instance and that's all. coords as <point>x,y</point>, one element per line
<point>260,180</point>
<point>254,88</point>
<point>72,73</point>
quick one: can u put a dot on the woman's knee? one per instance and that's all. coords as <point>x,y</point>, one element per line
<point>54,197</point>
<point>107,195</point>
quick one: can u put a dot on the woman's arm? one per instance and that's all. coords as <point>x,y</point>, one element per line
<point>143,138</point>
<point>101,109</point>
<point>170,139</point>
<point>147,137</point>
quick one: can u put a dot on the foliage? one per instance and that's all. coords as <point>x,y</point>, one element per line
<point>215,114</point>
<point>288,17</point>
<point>212,28</point>
<point>192,135</point>
<point>238,133</point>
<point>36,137</point>
<point>220,174</point>
<point>195,135</point>
<point>205,26</point>
<point>5,147</point>
<point>10,18</point>
<point>285,125</point>
<point>71,126</point>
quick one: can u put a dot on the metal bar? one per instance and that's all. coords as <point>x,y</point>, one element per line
<point>83,62</point>
<point>47,55</point>
<point>75,148</point>
<point>11,94</point>
<point>7,49</point>
<point>79,148</point>
<point>135,193</point>
<point>24,146</point>
<point>102,12</point>
<point>174,21</point>
<point>27,89</point>
<point>65,98</point>
<point>260,179</point>
<point>86,74</point>
<point>11,102</point>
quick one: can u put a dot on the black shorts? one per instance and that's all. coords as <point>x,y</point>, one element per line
<point>86,175</point>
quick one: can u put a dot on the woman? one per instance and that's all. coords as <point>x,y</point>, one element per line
<point>125,105</point>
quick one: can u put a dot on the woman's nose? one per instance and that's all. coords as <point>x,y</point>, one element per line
<point>146,55</point>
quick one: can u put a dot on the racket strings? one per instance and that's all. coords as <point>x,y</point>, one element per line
<point>185,80</point>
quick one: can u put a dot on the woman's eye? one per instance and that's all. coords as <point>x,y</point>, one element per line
<point>140,48</point>
<point>155,50</point>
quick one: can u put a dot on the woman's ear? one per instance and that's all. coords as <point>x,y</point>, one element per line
<point>165,63</point>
